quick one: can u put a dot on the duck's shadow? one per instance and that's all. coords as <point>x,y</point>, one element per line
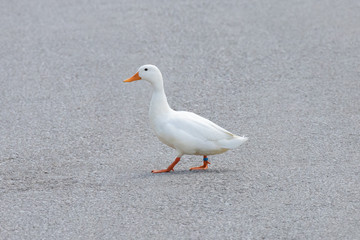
<point>184,172</point>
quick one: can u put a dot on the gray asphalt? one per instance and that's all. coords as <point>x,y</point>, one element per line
<point>76,148</point>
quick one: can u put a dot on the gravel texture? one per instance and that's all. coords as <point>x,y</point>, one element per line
<point>76,149</point>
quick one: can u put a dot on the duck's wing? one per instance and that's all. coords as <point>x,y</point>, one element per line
<point>199,127</point>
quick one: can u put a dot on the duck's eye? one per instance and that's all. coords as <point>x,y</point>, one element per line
<point>145,69</point>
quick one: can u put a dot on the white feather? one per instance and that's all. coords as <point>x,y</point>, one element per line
<point>186,132</point>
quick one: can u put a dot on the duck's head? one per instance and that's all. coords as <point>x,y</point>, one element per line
<point>147,72</point>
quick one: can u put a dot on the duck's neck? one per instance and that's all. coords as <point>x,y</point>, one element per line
<point>159,104</point>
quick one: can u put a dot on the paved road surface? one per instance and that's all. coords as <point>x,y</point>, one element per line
<point>76,149</point>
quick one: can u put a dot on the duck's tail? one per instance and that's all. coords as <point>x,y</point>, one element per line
<point>234,142</point>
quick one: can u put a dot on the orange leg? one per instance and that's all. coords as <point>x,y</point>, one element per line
<point>204,166</point>
<point>170,168</point>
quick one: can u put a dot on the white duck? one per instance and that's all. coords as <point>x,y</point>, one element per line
<point>186,132</point>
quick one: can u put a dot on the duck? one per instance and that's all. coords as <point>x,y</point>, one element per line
<point>186,132</point>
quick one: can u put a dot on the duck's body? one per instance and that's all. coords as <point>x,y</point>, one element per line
<point>186,132</point>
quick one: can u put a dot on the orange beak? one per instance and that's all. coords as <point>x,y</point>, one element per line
<point>133,78</point>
